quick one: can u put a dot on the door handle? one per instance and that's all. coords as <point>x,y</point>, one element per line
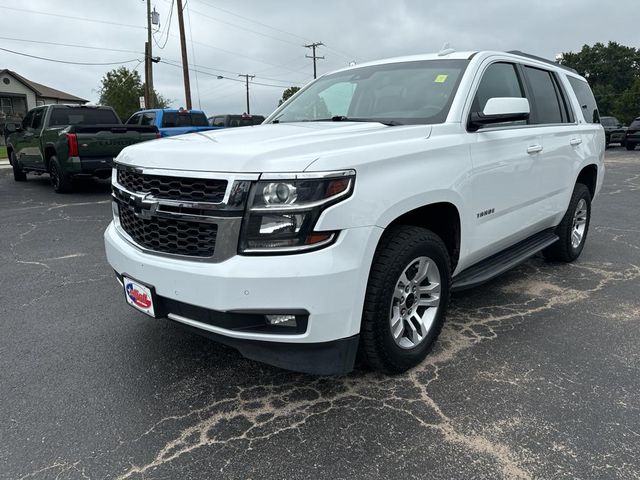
<point>575,141</point>
<point>534,149</point>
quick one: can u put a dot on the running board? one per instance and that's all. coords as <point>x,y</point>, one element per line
<point>501,262</point>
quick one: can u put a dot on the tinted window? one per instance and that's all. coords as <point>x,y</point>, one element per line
<point>217,122</point>
<point>418,92</point>
<point>499,80</point>
<point>82,116</point>
<point>585,99</point>
<point>37,119</point>
<point>26,122</point>
<point>148,118</point>
<point>544,96</point>
<point>635,123</point>
<point>609,121</point>
<point>184,119</point>
<point>245,121</point>
<point>134,120</point>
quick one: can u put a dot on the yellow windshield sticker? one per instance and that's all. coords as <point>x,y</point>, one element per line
<point>441,78</point>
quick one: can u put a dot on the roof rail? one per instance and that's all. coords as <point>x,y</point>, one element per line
<point>541,59</point>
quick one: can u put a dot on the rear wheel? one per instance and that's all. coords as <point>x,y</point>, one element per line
<point>574,227</point>
<point>406,299</point>
<point>18,174</point>
<point>61,183</point>
<point>630,145</point>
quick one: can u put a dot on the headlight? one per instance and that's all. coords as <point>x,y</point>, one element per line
<point>283,210</point>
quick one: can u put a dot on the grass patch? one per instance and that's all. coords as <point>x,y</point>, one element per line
<point>3,151</point>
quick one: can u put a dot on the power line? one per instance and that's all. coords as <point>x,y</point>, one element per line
<point>223,77</point>
<point>343,54</point>
<point>166,28</point>
<point>65,61</point>
<point>71,45</point>
<point>72,17</point>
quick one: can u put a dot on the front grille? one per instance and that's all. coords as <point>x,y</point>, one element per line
<point>167,235</point>
<point>174,188</point>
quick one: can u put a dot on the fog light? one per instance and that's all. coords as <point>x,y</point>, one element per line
<point>281,320</point>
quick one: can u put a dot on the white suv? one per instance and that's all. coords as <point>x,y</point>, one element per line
<point>345,220</point>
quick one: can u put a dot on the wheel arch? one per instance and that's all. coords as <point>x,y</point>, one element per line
<point>49,151</point>
<point>588,176</point>
<point>442,218</point>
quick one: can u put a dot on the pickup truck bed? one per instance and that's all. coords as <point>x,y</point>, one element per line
<point>71,140</point>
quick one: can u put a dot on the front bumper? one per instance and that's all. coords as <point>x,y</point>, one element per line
<point>329,284</point>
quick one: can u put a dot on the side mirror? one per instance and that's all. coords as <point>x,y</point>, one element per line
<point>12,128</point>
<point>499,110</point>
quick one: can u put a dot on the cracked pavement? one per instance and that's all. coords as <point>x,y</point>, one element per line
<point>535,375</point>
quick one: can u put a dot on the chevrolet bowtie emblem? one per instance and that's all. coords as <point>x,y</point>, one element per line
<point>142,206</point>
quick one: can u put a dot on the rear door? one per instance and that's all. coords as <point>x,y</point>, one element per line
<point>561,141</point>
<point>503,156</point>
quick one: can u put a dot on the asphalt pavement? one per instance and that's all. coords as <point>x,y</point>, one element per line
<point>535,375</point>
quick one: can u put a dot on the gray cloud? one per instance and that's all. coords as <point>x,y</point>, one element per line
<point>357,30</point>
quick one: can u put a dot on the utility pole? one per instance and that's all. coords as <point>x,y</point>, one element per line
<point>313,46</point>
<point>148,81</point>
<point>185,62</point>
<point>247,77</point>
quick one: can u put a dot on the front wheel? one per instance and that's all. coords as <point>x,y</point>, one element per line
<point>61,183</point>
<point>630,146</point>
<point>406,299</point>
<point>574,227</point>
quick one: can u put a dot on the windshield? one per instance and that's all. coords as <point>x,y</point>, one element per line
<point>82,116</point>
<point>396,93</point>
<point>184,119</point>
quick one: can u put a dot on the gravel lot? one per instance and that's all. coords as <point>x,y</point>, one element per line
<point>536,374</point>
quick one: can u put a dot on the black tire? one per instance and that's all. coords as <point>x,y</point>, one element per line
<point>398,248</point>
<point>18,174</point>
<point>61,183</point>
<point>564,250</point>
<point>630,146</point>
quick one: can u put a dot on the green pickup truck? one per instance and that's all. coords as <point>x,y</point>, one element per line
<point>68,141</point>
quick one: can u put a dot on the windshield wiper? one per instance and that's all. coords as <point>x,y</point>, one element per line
<point>342,118</point>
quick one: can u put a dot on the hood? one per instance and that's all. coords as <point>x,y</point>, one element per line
<point>285,147</point>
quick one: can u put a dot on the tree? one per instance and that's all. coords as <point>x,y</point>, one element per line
<point>122,88</point>
<point>612,71</point>
<point>288,93</point>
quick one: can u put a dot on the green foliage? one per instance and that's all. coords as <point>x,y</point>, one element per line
<point>288,93</point>
<point>122,88</point>
<point>613,71</point>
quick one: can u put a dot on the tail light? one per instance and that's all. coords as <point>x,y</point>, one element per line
<point>158,135</point>
<point>72,144</point>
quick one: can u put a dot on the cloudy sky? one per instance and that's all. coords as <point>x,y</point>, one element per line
<point>265,37</point>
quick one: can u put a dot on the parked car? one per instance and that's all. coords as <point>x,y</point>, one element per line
<point>227,121</point>
<point>632,136</point>
<point>345,221</point>
<point>614,131</point>
<point>172,122</point>
<point>68,141</point>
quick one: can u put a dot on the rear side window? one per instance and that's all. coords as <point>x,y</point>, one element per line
<point>545,95</point>
<point>635,123</point>
<point>184,119</point>
<point>82,116</point>
<point>585,99</point>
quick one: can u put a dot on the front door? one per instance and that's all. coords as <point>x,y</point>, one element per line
<point>503,188</point>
